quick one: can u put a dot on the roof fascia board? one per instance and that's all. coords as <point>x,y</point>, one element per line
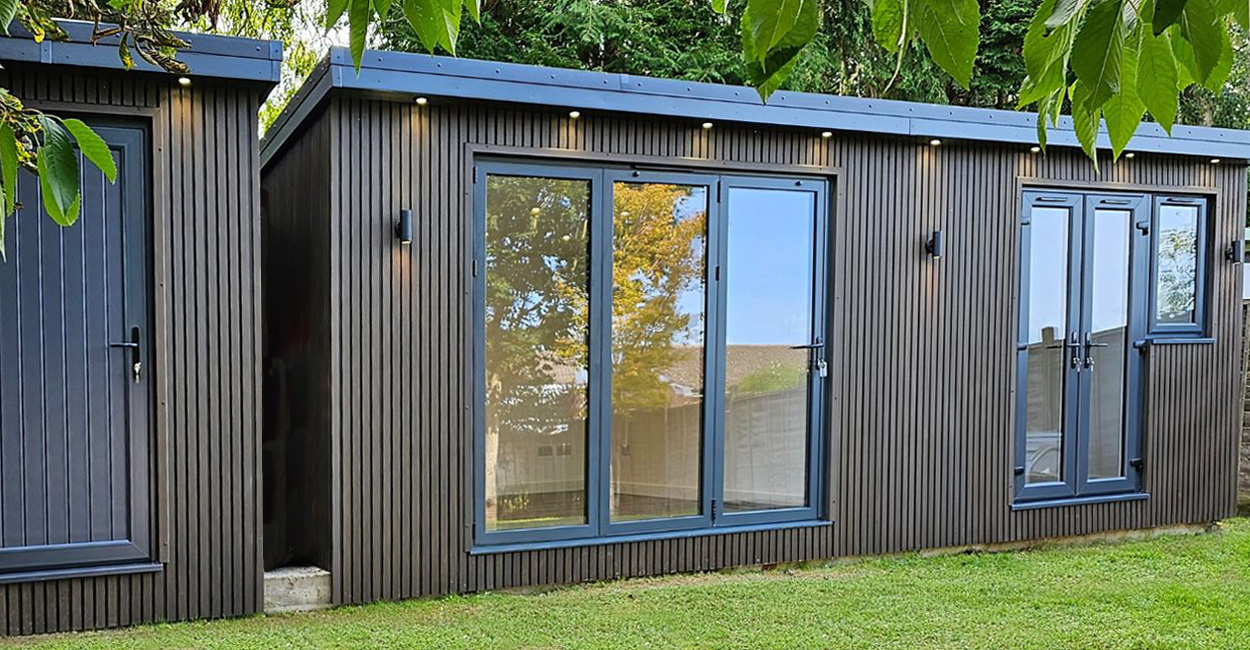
<point>435,76</point>
<point>210,56</point>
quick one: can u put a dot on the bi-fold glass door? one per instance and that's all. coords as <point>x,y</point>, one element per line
<point>650,351</point>
<point>1082,314</point>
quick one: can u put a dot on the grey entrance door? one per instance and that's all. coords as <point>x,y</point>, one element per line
<point>75,351</point>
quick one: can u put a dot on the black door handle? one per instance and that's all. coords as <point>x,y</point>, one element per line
<point>136,352</point>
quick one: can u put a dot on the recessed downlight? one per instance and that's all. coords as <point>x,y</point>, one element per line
<point>184,81</point>
<point>935,143</point>
<point>421,101</point>
<point>575,114</point>
<point>707,125</point>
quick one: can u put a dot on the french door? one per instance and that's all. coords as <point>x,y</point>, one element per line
<point>1082,316</point>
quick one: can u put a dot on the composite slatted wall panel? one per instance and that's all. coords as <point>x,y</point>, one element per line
<point>205,165</point>
<point>924,353</point>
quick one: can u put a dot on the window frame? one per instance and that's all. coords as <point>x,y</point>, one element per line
<point>1198,328</point>
<point>598,527</point>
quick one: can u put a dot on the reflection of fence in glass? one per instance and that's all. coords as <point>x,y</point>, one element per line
<point>1048,363</point>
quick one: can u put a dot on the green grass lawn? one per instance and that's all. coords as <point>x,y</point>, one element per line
<point>1171,592</point>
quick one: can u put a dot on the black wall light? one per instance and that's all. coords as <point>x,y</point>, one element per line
<point>1235,252</point>
<point>936,244</point>
<point>403,227</point>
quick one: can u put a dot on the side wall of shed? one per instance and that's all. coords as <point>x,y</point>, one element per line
<point>298,339</point>
<point>205,166</point>
<point>924,351</point>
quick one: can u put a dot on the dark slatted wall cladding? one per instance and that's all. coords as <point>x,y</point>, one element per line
<point>923,364</point>
<point>205,178</point>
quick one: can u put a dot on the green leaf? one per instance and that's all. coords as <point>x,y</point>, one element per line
<point>1043,110</point>
<point>1085,119</point>
<point>1167,12</point>
<point>383,7</point>
<point>717,5</point>
<point>1045,56</point>
<point>1124,111</point>
<point>93,147</point>
<point>1098,49</point>
<point>1201,26</point>
<point>768,74</point>
<point>58,172</point>
<point>358,17</point>
<point>334,11</point>
<point>765,23</point>
<point>475,8</point>
<point>436,22</point>
<point>950,30</point>
<point>8,168</point>
<point>8,9</point>
<point>452,11</point>
<point>887,23</point>
<point>1063,12</point>
<point>1187,68</point>
<point>1157,82</point>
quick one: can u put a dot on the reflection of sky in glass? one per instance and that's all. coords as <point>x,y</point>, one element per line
<point>771,242</point>
<point>1048,271</point>
<point>1110,290</point>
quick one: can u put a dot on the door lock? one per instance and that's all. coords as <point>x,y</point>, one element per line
<point>136,353</point>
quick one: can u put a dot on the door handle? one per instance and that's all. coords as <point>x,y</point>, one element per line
<point>1073,345</point>
<point>136,353</point>
<point>816,360</point>
<point>1089,349</point>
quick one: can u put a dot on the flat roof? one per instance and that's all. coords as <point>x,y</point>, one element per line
<point>210,56</point>
<point>449,77</point>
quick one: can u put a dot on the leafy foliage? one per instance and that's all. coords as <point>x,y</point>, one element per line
<point>654,37</point>
<point>50,146</point>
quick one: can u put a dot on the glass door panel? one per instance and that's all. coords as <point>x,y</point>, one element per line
<point>659,299</point>
<point>770,266</point>
<point>1107,342</point>
<point>1047,357</point>
<point>536,351</point>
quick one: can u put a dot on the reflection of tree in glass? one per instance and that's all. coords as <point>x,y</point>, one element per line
<point>1178,255</point>
<point>658,271</point>
<point>536,303</point>
<point>776,377</point>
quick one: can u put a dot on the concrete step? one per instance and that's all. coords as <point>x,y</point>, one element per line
<point>297,589</point>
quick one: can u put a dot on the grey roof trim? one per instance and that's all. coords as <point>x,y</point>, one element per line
<point>447,77</point>
<point>210,56</point>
